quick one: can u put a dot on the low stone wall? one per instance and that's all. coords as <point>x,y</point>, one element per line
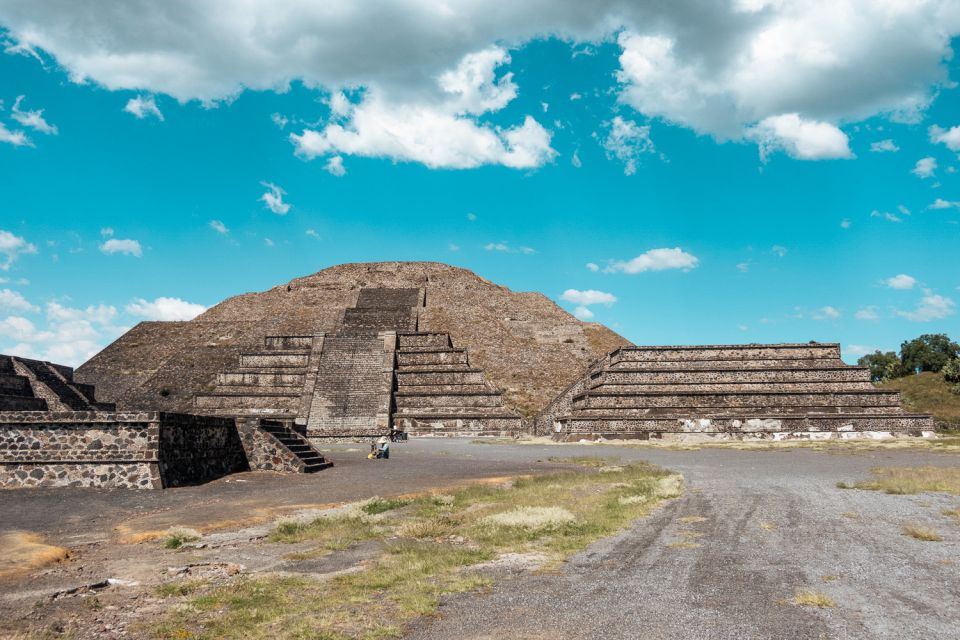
<point>264,452</point>
<point>115,449</point>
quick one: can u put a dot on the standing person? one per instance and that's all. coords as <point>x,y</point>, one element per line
<point>384,446</point>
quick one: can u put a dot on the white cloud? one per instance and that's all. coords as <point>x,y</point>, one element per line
<point>886,215</point>
<point>925,168</point>
<point>14,301</point>
<point>593,266</point>
<point>949,137</point>
<point>273,199</point>
<point>627,142</point>
<point>901,281</point>
<point>312,233</point>
<point>940,203</point>
<point>164,309</point>
<point>845,223</point>
<point>743,267</point>
<point>588,297</point>
<point>504,247</point>
<point>335,166</point>
<point>32,119</point>
<point>11,247</point>
<point>471,217</point>
<point>779,250</point>
<point>279,120</point>
<point>858,350</point>
<point>799,138</point>
<point>902,209</point>
<point>70,337</point>
<point>655,260</point>
<point>126,247</point>
<point>219,227</point>
<point>932,306</point>
<point>106,232</point>
<point>142,107</point>
<point>867,313</point>
<point>884,146</point>
<point>583,313</point>
<point>268,242</point>
<point>575,159</point>
<point>16,138</point>
<point>827,313</point>
<point>453,247</point>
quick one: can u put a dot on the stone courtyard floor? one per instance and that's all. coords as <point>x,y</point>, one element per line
<point>724,560</point>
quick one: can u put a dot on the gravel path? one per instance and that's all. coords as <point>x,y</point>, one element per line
<point>774,523</point>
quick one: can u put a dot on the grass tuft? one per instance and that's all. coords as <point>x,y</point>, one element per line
<point>808,598</point>
<point>910,480</point>
<point>925,534</point>
<point>178,537</point>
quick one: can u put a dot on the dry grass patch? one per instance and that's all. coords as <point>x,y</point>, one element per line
<point>808,598</point>
<point>20,552</point>
<point>692,519</point>
<point>925,534</point>
<point>684,544</point>
<point>431,545</point>
<point>768,526</point>
<point>952,513</point>
<point>909,480</point>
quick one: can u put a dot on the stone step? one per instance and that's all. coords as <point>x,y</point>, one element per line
<point>454,401</point>
<point>13,385</point>
<point>731,387</point>
<point>21,403</point>
<point>445,377</point>
<point>455,412</point>
<point>6,365</point>
<point>372,321</point>
<point>257,378</point>
<point>739,375</point>
<point>427,425</point>
<point>288,343</point>
<point>432,357</point>
<point>719,365</point>
<point>388,298</point>
<point>727,352</point>
<point>275,359</point>
<point>267,404</point>
<point>54,379</point>
<point>421,389</point>
<point>616,426</point>
<point>700,412</point>
<point>408,340</point>
<point>255,390</point>
<point>872,398</point>
<point>434,368</point>
<point>350,378</point>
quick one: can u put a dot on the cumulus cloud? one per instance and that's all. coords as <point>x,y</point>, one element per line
<point>273,199</point>
<point>901,281</point>
<point>858,350</point>
<point>827,313</point>
<point>164,309</point>
<point>799,138</point>
<point>14,301</point>
<point>71,335</point>
<point>126,247</point>
<point>16,138</point>
<point>312,233</point>
<point>932,306</point>
<point>627,142</point>
<point>335,166</point>
<point>504,247</point>
<point>142,107</point>
<point>12,247</point>
<point>588,297</point>
<point>884,146</point>
<point>219,227</point>
<point>655,260</point>
<point>940,203</point>
<point>593,266</point>
<point>949,137</point>
<point>925,168</point>
<point>32,119</point>
<point>886,215</point>
<point>867,313</point>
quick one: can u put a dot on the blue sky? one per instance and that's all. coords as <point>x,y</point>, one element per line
<point>779,181</point>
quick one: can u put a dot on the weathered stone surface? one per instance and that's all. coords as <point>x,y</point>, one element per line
<point>527,345</point>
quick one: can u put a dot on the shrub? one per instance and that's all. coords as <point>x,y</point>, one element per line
<point>883,366</point>
<point>951,371</point>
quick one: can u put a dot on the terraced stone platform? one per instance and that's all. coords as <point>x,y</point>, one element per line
<point>37,385</point>
<point>777,391</point>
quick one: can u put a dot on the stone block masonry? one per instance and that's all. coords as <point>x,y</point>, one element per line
<point>146,450</point>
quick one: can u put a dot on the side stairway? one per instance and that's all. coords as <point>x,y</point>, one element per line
<point>439,393</point>
<point>308,459</point>
<point>37,385</point>
<point>779,391</point>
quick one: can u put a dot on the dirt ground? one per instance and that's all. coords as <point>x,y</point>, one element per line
<point>723,561</point>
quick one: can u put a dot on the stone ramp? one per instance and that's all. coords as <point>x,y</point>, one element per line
<point>779,390</point>
<point>439,393</point>
<point>347,399</point>
<point>37,385</point>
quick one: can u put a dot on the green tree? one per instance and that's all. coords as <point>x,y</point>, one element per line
<point>883,366</point>
<point>929,352</point>
<point>951,371</point>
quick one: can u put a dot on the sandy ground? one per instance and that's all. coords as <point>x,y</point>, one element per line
<point>767,524</point>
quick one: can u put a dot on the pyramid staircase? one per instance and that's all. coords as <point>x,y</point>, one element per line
<point>439,393</point>
<point>37,385</point>
<point>778,391</point>
<point>376,372</point>
<point>308,459</point>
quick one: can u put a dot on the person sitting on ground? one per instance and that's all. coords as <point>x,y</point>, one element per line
<point>373,451</point>
<point>384,448</point>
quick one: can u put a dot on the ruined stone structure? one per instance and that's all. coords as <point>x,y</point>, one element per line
<point>35,385</point>
<point>283,352</point>
<point>775,391</point>
<point>375,373</point>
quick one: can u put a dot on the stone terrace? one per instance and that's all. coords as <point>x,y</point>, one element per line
<point>781,390</point>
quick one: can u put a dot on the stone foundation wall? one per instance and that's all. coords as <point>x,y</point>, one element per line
<point>264,452</point>
<point>117,450</point>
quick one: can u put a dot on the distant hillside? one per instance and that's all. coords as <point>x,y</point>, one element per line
<point>928,393</point>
